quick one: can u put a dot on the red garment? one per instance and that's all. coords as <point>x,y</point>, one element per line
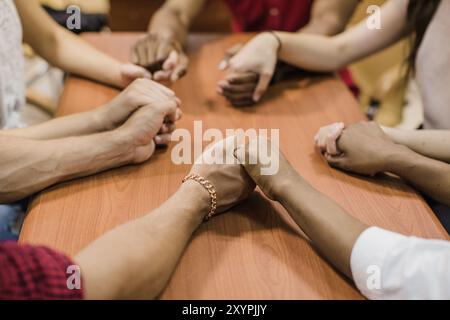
<point>279,15</point>
<point>263,15</point>
<point>346,77</point>
<point>34,273</point>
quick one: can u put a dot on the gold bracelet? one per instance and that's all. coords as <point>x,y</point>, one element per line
<point>210,188</point>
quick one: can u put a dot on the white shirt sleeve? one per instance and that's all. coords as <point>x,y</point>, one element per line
<point>387,265</point>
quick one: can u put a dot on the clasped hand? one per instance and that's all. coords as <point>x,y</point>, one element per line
<point>143,116</point>
<point>361,148</point>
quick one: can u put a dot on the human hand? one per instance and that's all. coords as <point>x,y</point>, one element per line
<point>326,138</point>
<point>239,88</point>
<point>149,126</point>
<point>142,92</point>
<point>250,157</point>
<point>130,72</point>
<point>365,148</point>
<point>232,183</point>
<point>162,55</point>
<point>258,56</point>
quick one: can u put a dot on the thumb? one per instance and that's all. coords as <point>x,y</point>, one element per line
<point>132,71</point>
<point>332,138</point>
<point>180,69</point>
<point>263,84</point>
<point>171,60</point>
<point>225,62</point>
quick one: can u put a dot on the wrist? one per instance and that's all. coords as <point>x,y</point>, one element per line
<point>117,79</point>
<point>397,159</point>
<point>123,143</point>
<point>271,40</point>
<point>195,200</point>
<point>85,155</point>
<point>99,119</point>
<point>167,34</point>
<point>394,134</point>
<point>283,183</point>
<point>169,31</point>
<point>278,39</point>
<point>293,186</point>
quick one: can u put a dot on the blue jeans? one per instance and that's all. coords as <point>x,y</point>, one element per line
<point>442,212</point>
<point>11,219</point>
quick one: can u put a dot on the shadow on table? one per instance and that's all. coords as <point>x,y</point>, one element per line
<point>265,220</point>
<point>255,214</point>
<point>277,90</point>
<point>385,184</point>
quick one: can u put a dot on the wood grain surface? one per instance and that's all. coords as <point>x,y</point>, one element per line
<point>254,251</point>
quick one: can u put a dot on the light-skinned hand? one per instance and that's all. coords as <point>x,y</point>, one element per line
<point>258,56</point>
<point>232,183</point>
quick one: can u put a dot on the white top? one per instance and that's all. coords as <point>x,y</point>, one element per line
<point>387,265</point>
<point>433,70</point>
<point>12,80</point>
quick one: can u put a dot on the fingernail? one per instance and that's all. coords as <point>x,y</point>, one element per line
<point>158,140</point>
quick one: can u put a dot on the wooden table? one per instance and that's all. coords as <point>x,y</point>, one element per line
<point>254,251</point>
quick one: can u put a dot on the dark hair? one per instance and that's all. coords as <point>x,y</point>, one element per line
<point>420,14</point>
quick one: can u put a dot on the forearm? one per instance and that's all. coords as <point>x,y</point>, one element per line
<point>62,48</point>
<point>329,227</point>
<point>74,125</point>
<point>430,143</point>
<point>311,52</point>
<point>169,23</point>
<point>174,19</point>
<point>430,176</point>
<point>29,166</point>
<point>325,54</point>
<point>329,17</point>
<point>135,261</point>
<point>321,27</point>
<point>74,55</point>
